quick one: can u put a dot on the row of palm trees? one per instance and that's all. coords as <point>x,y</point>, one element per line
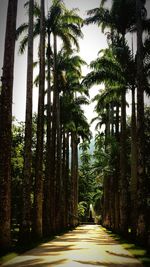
<point>49,198</point>
<point>125,205</point>
<point>50,186</point>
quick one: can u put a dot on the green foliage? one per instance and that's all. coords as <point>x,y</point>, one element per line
<point>104,159</point>
<point>90,190</point>
<point>60,21</point>
<point>82,210</point>
<point>17,166</point>
<point>85,178</point>
<point>97,197</point>
<point>17,169</point>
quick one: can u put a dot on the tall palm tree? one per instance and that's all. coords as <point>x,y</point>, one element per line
<point>68,23</point>
<point>68,75</point>
<point>106,101</point>
<point>65,24</point>
<point>71,84</point>
<point>38,193</point>
<point>124,17</point>
<point>141,223</point>
<point>26,211</point>
<point>5,126</point>
<point>133,182</point>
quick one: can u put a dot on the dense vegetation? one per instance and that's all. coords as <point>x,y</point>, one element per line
<point>44,189</point>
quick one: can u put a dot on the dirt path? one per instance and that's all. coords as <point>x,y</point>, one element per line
<point>87,245</point>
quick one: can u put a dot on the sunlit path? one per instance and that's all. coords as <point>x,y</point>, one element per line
<point>87,245</point>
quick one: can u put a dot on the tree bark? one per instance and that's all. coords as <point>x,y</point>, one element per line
<point>53,163</point>
<point>38,198</point>
<point>106,202</point>
<point>142,191</point>
<point>58,139</point>
<point>123,166</point>
<point>67,198</point>
<point>26,210</point>
<point>48,186</point>
<point>74,177</point>
<point>5,126</point>
<point>117,174</point>
<point>133,186</point>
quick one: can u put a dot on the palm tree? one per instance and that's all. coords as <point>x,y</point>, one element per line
<point>67,26</point>
<point>26,220</point>
<point>70,72</point>
<point>122,24</point>
<point>133,182</point>
<point>5,126</point>
<point>107,100</point>
<point>68,75</point>
<point>38,193</point>
<point>141,222</point>
<point>107,107</point>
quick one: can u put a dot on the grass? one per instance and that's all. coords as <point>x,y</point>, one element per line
<point>8,257</point>
<point>136,250</point>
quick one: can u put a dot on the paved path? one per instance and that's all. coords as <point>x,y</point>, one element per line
<point>87,245</point>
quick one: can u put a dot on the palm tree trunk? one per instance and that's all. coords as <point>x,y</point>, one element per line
<point>106,202</point>
<point>142,191</point>
<point>74,177</point>
<point>112,119</point>
<point>58,138</point>
<point>67,179</point>
<point>123,166</point>
<point>38,198</point>
<point>47,209</point>
<point>108,120</point>
<point>53,163</point>
<point>64,181</point>
<point>116,182</point>
<point>133,186</point>
<point>106,183</point>
<point>76,184</point>
<point>117,122</point>
<point>112,178</point>
<point>5,126</point>
<point>26,210</point>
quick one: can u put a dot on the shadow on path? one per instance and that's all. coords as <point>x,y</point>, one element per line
<point>93,263</point>
<point>87,245</point>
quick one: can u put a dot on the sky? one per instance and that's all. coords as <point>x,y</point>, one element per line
<point>92,42</point>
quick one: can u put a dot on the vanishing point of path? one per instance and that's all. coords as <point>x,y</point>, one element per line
<point>87,245</point>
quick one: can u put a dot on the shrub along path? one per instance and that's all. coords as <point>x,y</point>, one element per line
<point>87,245</point>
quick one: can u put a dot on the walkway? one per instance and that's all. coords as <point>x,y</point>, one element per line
<point>87,245</point>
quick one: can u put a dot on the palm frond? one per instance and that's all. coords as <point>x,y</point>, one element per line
<point>81,100</point>
<point>23,45</point>
<point>71,18</point>
<point>23,28</point>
